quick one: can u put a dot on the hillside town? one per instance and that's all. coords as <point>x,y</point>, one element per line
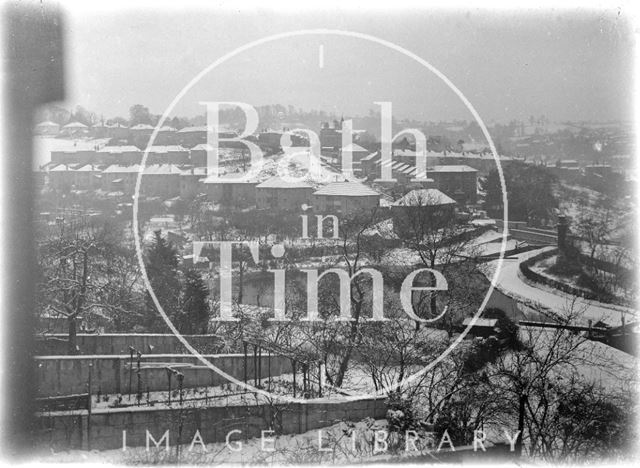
<point>563,268</point>
<point>320,234</point>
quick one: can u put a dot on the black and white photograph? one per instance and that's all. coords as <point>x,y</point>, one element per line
<point>324,233</point>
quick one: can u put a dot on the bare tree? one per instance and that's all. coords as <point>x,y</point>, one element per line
<point>548,373</point>
<point>427,224</point>
<point>86,272</point>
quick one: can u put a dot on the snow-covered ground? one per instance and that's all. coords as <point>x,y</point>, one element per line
<point>596,363</point>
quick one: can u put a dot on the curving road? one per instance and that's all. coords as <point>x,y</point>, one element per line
<point>513,284</point>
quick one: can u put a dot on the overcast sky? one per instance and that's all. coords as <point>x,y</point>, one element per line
<point>567,65</point>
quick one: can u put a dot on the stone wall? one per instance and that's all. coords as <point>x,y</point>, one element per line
<point>68,375</point>
<point>534,236</point>
<point>118,343</point>
<point>103,429</point>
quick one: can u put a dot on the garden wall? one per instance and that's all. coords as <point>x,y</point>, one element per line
<point>118,343</point>
<point>103,429</point>
<point>68,375</point>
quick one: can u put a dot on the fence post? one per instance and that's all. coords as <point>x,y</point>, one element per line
<point>259,366</point>
<point>139,392</point>
<point>130,369</point>
<point>293,365</point>
<point>180,380</point>
<point>244,347</point>
<point>305,369</point>
<point>169,372</point>
<point>89,406</point>
<point>255,365</point>
<point>269,370</point>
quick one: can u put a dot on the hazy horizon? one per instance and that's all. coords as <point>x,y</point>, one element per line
<point>566,65</point>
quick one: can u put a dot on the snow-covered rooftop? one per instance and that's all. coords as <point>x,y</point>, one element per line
<point>425,197</point>
<point>162,169</point>
<point>347,189</point>
<point>142,127</point>
<point>354,148</point>
<point>75,125</point>
<point>278,182</point>
<point>119,149</point>
<point>167,148</point>
<point>119,169</point>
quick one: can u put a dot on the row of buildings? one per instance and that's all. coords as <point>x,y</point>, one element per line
<point>604,178</point>
<point>414,210</point>
<point>129,154</point>
<point>269,192</point>
<point>169,181</point>
<point>458,181</point>
<point>455,174</point>
<point>137,135</point>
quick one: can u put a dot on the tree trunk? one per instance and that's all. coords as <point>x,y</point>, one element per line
<point>518,445</point>
<point>240,282</point>
<point>433,294</point>
<point>72,341</point>
<point>344,364</point>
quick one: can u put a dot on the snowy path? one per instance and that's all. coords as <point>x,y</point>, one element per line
<point>511,282</point>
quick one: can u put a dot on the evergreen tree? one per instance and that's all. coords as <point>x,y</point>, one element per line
<point>529,192</point>
<point>162,269</point>
<point>194,317</point>
<point>139,114</point>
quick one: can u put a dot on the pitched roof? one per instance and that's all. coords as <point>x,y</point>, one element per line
<point>77,149</point>
<point>277,182</point>
<point>60,168</point>
<point>412,154</point>
<point>166,128</point>
<point>456,168</point>
<point>87,168</point>
<point>347,189</point>
<point>425,197</point>
<point>203,128</point>
<point>227,180</point>
<point>142,127</point>
<point>162,169</point>
<point>167,148</point>
<point>47,123</point>
<point>119,149</point>
<point>75,125</point>
<point>118,169</point>
<point>192,129</point>
<point>372,156</point>
<point>354,148</point>
<point>74,168</point>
